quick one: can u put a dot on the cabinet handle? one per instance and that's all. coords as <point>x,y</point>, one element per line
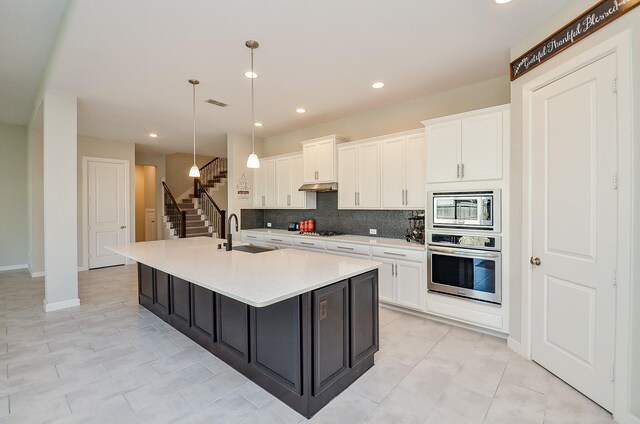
<point>251,237</point>
<point>288,200</point>
<point>307,243</point>
<point>276,239</point>
<point>406,197</point>
<point>345,248</point>
<point>355,198</point>
<point>396,270</point>
<point>458,172</point>
<point>392,270</point>
<point>394,254</point>
<point>358,198</point>
<point>462,170</point>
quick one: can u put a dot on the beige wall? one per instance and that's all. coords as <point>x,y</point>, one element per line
<point>35,201</point>
<point>629,21</point>
<point>109,149</point>
<point>13,188</point>
<point>140,189</point>
<point>400,117</point>
<point>177,171</point>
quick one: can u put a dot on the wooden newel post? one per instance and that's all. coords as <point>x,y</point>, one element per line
<point>183,225</point>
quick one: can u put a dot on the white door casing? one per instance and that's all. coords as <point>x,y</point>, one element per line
<point>574,228</point>
<point>108,209</point>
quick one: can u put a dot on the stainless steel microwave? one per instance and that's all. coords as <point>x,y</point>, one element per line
<point>471,210</point>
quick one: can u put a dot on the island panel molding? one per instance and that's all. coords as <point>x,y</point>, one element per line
<point>598,16</point>
<point>304,350</point>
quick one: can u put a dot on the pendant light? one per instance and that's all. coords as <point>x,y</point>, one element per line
<point>252,160</point>
<point>194,171</point>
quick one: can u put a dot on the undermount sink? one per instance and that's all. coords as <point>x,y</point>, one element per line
<point>252,248</point>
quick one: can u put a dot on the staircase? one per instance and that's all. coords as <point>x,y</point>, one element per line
<point>198,215</point>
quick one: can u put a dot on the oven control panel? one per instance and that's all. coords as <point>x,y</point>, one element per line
<point>470,241</point>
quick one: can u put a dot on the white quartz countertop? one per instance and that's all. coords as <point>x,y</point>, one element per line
<point>258,280</point>
<point>370,241</point>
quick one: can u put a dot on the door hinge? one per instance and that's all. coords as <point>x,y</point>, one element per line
<point>615,181</point>
<point>614,85</point>
<point>613,372</point>
<point>614,279</point>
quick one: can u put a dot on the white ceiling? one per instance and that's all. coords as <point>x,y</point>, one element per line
<point>129,61</point>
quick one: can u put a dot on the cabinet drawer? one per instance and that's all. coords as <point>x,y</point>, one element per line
<point>250,237</point>
<point>338,246</point>
<point>399,254</point>
<point>279,240</point>
<point>309,244</point>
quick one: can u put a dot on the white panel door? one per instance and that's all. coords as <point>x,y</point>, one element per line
<point>410,286</point>
<point>393,171</point>
<point>107,190</point>
<point>150,225</point>
<point>297,197</point>
<point>443,151</point>
<point>415,175</point>
<point>347,176</point>
<point>368,175</point>
<point>283,183</point>
<point>324,160</point>
<point>310,153</point>
<point>574,151</point>
<point>481,147</point>
<point>269,183</point>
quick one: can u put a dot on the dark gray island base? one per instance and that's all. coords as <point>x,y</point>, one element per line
<point>304,350</point>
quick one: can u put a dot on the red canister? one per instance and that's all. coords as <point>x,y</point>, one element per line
<point>303,226</point>
<point>311,225</point>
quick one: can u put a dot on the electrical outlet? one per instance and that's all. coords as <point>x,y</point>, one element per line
<point>373,231</point>
<point>268,225</point>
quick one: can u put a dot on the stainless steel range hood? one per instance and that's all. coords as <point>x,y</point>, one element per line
<point>319,187</point>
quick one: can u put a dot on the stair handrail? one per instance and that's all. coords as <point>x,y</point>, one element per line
<point>182,215</point>
<point>209,163</point>
<point>198,191</point>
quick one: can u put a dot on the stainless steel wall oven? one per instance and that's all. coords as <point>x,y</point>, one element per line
<point>466,265</point>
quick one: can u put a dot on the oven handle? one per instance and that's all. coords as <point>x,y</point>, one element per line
<point>465,252</point>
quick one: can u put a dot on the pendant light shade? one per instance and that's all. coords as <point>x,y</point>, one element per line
<point>252,160</point>
<point>194,171</point>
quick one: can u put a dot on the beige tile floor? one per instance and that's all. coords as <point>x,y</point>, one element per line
<point>111,361</point>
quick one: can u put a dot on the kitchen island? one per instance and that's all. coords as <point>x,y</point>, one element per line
<point>302,325</point>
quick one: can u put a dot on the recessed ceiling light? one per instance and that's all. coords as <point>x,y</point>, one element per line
<point>250,74</point>
<point>153,135</point>
<point>377,84</point>
<point>258,124</point>
<point>301,110</point>
<point>502,1</point>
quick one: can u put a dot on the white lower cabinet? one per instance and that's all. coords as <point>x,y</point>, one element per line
<point>401,278</point>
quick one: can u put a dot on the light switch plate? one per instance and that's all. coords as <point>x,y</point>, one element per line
<point>268,225</point>
<point>373,231</point>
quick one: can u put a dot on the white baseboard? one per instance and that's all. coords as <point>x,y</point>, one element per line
<point>56,306</point>
<point>36,274</point>
<point>516,347</point>
<point>12,267</point>
<point>83,268</point>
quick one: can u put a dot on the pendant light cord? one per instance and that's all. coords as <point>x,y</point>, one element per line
<point>194,124</point>
<point>253,121</point>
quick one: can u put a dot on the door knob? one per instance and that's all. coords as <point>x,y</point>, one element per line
<point>535,261</point>
<point>122,227</point>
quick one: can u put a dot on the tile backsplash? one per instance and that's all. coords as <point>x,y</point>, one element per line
<point>388,223</point>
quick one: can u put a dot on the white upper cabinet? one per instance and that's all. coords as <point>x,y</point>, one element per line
<point>403,171</point>
<point>319,159</point>
<point>359,175</point>
<point>466,147</point>
<point>277,182</point>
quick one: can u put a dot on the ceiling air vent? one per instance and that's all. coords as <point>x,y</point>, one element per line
<point>216,103</point>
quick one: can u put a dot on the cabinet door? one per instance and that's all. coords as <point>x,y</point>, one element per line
<point>325,160</point>
<point>270,183</point>
<point>415,178</point>
<point>386,280</point>
<point>145,285</point>
<point>283,182</point>
<point>297,197</point>
<point>347,173</point>
<point>309,153</point>
<point>482,147</point>
<point>368,180</point>
<point>443,151</point>
<point>393,171</point>
<point>259,200</point>
<point>410,286</point>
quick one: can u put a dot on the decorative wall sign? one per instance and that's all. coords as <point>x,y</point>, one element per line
<point>243,188</point>
<point>596,17</point>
